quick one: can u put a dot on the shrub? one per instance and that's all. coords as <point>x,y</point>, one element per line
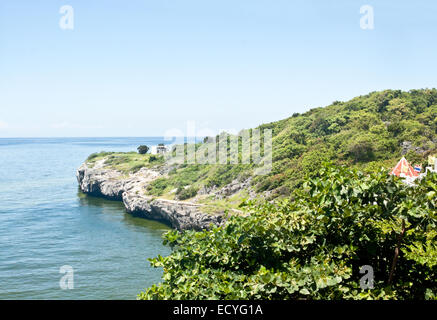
<point>313,247</point>
<point>143,149</point>
<point>186,193</point>
<point>156,159</point>
<point>137,167</point>
<point>95,155</point>
<point>157,187</point>
<point>361,149</point>
<point>92,156</point>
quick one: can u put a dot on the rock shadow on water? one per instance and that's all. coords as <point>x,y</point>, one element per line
<point>131,219</point>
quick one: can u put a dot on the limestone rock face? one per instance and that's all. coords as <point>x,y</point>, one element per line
<point>100,182</point>
<point>408,146</point>
<point>232,188</point>
<point>180,215</point>
<point>111,184</point>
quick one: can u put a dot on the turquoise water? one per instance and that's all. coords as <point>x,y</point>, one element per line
<point>46,223</point>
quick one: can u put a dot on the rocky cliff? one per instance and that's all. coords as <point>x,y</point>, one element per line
<point>100,181</point>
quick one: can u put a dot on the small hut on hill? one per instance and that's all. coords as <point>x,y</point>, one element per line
<point>404,170</point>
<point>161,149</point>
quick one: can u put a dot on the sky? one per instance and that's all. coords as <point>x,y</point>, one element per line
<point>142,68</point>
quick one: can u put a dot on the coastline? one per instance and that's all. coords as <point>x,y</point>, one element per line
<point>111,184</point>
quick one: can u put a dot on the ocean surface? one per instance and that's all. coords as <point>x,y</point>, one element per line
<point>46,223</point>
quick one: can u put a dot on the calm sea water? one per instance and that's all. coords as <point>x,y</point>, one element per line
<point>46,223</point>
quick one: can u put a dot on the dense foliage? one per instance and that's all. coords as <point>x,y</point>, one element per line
<point>313,245</point>
<point>186,193</point>
<point>366,132</point>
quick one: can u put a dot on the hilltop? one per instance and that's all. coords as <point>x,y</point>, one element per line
<point>366,133</point>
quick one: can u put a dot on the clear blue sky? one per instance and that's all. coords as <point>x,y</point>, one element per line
<point>138,68</point>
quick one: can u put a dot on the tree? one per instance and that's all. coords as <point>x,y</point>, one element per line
<point>186,193</point>
<point>361,149</point>
<point>314,246</point>
<point>143,149</point>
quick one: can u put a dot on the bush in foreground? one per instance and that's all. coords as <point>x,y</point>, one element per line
<point>313,246</point>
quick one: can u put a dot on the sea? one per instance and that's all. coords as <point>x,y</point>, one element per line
<point>58,243</point>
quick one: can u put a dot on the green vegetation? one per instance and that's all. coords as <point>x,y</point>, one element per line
<point>197,176</point>
<point>317,225</point>
<point>143,149</point>
<point>366,133</point>
<point>313,246</point>
<point>178,178</point>
<point>98,156</point>
<point>186,193</point>
<point>230,204</point>
<point>125,162</point>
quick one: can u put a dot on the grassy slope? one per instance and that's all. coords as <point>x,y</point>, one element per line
<point>365,132</point>
<point>126,162</point>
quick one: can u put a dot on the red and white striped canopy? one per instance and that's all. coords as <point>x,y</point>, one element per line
<point>404,169</point>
